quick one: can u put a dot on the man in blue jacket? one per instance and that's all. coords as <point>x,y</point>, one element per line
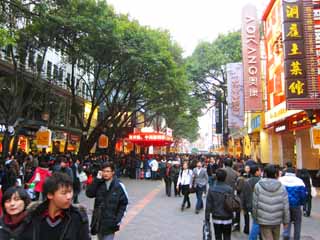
<point>297,195</point>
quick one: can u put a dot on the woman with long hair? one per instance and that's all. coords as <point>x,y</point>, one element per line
<point>185,183</point>
<point>15,217</point>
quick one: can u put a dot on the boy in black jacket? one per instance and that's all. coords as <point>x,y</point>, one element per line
<point>56,218</point>
<point>222,219</point>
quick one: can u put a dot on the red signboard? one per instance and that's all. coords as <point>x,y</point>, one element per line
<point>291,39</point>
<point>251,59</point>
<point>275,55</point>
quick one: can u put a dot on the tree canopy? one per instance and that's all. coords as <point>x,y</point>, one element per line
<point>206,66</point>
<point>124,67</point>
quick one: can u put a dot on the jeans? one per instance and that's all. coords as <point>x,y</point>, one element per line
<point>295,217</point>
<point>138,172</point>
<point>246,216</point>
<point>106,237</point>
<point>222,230</point>
<point>168,184</point>
<point>210,181</point>
<point>199,192</point>
<point>255,230</point>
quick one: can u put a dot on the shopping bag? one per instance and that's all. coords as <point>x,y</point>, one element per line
<point>313,192</point>
<point>206,231</point>
<point>83,177</point>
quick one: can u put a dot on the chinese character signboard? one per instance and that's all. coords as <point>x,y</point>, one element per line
<point>299,36</point>
<point>294,58</point>
<point>251,59</point>
<point>316,19</point>
<point>235,96</point>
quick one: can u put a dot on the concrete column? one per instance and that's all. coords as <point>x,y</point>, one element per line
<point>270,148</point>
<point>280,152</point>
<point>299,152</point>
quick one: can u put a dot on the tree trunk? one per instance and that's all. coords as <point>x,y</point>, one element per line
<point>83,148</point>
<point>5,144</point>
<point>15,144</point>
<point>112,147</point>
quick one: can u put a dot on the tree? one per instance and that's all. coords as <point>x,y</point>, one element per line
<point>207,66</point>
<point>206,69</point>
<point>127,67</point>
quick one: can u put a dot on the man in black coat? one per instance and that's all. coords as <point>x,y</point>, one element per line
<point>222,219</point>
<point>111,202</point>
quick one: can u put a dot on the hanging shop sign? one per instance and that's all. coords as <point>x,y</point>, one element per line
<point>300,59</point>
<point>43,137</point>
<point>103,141</point>
<point>280,128</point>
<point>251,59</point>
<point>235,96</point>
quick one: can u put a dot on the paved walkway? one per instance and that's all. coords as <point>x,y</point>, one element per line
<point>153,216</point>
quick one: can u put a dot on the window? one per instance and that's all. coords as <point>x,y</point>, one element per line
<point>31,59</point>
<point>55,72</point>
<point>49,69</point>
<point>39,63</point>
<point>60,77</point>
<point>68,79</point>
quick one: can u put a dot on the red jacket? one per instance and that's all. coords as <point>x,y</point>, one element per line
<point>44,173</point>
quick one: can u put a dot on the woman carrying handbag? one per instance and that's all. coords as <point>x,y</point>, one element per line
<point>185,183</point>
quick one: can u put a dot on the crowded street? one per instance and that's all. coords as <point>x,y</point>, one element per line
<point>153,215</point>
<point>159,120</point>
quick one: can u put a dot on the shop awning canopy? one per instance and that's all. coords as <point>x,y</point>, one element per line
<point>147,139</point>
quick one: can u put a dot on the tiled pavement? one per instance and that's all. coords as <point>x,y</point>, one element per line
<point>153,216</point>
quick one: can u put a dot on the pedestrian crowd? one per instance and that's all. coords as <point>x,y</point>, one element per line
<point>39,194</point>
<point>266,195</point>
<point>39,197</point>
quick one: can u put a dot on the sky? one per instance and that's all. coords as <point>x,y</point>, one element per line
<point>189,21</point>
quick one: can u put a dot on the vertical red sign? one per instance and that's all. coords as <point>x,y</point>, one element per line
<point>251,59</point>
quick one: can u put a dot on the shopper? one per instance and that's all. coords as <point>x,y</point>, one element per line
<point>304,175</point>
<point>39,177</point>
<point>56,218</point>
<point>168,178</point>
<point>222,219</point>
<point>16,219</point>
<point>200,180</point>
<point>246,197</point>
<point>110,204</point>
<point>270,205</point>
<point>297,194</point>
<point>185,183</point>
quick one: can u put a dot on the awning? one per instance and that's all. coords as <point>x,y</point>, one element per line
<point>147,139</point>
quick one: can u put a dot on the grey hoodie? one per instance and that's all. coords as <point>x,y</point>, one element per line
<point>270,203</point>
